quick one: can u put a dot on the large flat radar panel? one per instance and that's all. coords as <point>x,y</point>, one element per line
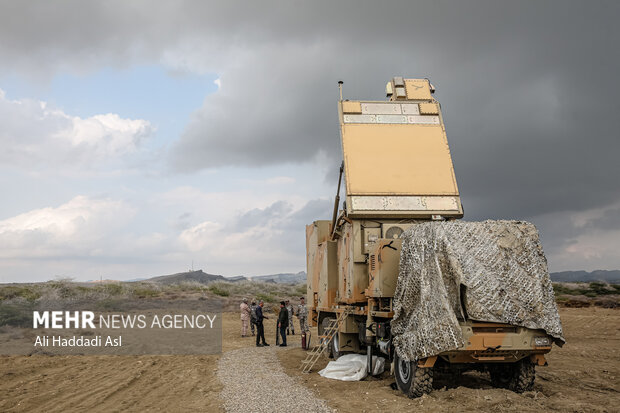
<point>397,160</point>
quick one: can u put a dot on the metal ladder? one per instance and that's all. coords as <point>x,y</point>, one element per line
<point>324,340</point>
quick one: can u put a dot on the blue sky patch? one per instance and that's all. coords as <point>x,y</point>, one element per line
<point>164,98</point>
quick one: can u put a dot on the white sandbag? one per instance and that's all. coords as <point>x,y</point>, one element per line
<point>352,367</point>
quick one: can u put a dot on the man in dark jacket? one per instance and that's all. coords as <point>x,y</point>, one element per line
<point>283,322</point>
<point>253,316</point>
<point>260,331</point>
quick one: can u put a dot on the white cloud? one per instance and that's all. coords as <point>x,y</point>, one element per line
<point>280,180</point>
<point>34,135</point>
<point>261,240</point>
<point>592,250</point>
<point>223,233</point>
<point>200,236</point>
<point>108,134</point>
<point>219,206</point>
<point>581,240</point>
<point>82,226</point>
<point>218,82</point>
<point>248,250</point>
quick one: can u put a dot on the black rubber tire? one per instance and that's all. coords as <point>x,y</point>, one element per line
<point>525,374</point>
<point>335,347</point>
<point>501,374</point>
<point>518,377</point>
<point>323,327</point>
<point>412,380</point>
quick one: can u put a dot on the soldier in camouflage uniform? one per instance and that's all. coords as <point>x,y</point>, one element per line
<point>291,311</point>
<point>245,317</point>
<point>302,314</point>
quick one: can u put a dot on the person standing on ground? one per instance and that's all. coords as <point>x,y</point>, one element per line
<point>253,316</point>
<point>245,317</point>
<point>302,314</point>
<point>260,330</point>
<point>283,322</point>
<point>291,326</point>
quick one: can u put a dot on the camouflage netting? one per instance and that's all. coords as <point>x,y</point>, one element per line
<point>500,268</point>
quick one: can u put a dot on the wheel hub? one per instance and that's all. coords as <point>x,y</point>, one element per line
<point>404,370</point>
<point>336,342</point>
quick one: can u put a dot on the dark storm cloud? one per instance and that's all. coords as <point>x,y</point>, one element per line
<point>529,99</point>
<point>281,215</point>
<point>262,217</point>
<point>282,221</point>
<point>609,220</point>
<point>529,89</point>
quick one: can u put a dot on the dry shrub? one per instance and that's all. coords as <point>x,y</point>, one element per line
<point>607,302</point>
<point>577,302</point>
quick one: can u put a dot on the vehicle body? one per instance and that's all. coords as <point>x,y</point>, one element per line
<point>398,172</point>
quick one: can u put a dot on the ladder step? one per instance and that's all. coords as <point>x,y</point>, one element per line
<point>333,325</point>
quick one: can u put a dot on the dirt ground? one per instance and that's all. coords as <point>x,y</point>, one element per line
<point>119,383</point>
<point>583,376</point>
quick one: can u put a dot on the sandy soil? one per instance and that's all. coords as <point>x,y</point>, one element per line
<point>118,383</point>
<point>109,383</point>
<point>583,376</point>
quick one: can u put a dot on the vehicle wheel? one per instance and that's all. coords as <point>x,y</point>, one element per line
<point>525,374</point>
<point>335,347</point>
<point>501,374</point>
<point>411,379</point>
<point>518,377</point>
<point>323,327</point>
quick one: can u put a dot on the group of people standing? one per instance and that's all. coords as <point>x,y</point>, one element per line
<point>252,316</point>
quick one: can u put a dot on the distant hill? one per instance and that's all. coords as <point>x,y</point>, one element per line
<point>612,276</point>
<point>609,276</point>
<point>284,278</point>
<point>205,278</point>
<point>197,276</point>
<point>235,279</point>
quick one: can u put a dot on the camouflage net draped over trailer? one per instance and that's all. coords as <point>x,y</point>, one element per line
<point>502,267</point>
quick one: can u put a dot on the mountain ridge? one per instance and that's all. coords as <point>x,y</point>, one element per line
<point>610,276</point>
<point>205,278</point>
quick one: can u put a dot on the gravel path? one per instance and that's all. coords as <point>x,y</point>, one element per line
<point>254,381</point>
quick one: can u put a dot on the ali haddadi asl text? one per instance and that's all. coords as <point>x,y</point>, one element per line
<point>75,341</point>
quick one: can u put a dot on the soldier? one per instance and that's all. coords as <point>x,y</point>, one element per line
<point>245,317</point>
<point>260,330</point>
<point>283,322</point>
<point>290,324</point>
<point>302,314</point>
<point>253,316</point>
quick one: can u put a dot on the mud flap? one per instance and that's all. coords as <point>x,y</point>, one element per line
<point>538,359</point>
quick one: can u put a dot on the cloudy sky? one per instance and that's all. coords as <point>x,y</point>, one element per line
<point>139,137</point>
